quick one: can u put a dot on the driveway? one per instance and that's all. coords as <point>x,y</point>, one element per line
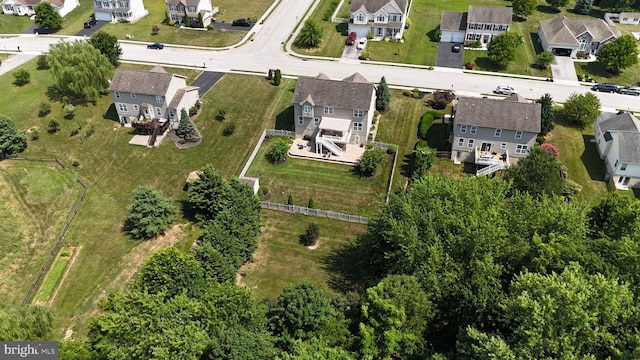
<point>562,69</point>
<point>447,58</point>
<point>350,52</point>
<point>227,26</point>
<point>206,80</point>
<point>88,32</point>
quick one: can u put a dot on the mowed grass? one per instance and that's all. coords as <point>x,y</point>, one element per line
<point>53,277</point>
<point>282,261</point>
<point>334,38</point>
<point>112,168</point>
<point>74,21</point>
<point>334,187</point>
<point>11,24</point>
<point>35,200</point>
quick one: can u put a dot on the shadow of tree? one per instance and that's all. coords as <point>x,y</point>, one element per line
<point>186,209</point>
<point>432,34</point>
<point>345,272</point>
<point>284,120</point>
<point>597,69</point>
<point>111,113</point>
<point>54,93</point>
<point>438,136</point>
<point>342,28</point>
<point>484,63</point>
<point>405,168</point>
<point>547,9</point>
<point>535,40</point>
<point>591,159</point>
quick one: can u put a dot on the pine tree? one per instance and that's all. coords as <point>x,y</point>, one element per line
<point>583,6</point>
<point>187,130</point>
<point>187,20</point>
<point>277,78</point>
<point>200,20</point>
<point>383,96</point>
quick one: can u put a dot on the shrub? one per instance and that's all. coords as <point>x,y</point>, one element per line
<point>291,200</point>
<point>277,77</point>
<point>277,152</point>
<point>311,235</point>
<point>264,189</point>
<point>21,77</point>
<point>43,64</point>
<point>551,149</point>
<point>469,66</point>
<point>222,112</point>
<point>35,135</point>
<point>76,130</point>
<point>415,93</point>
<point>312,203</point>
<point>172,23</point>
<point>69,111</point>
<point>422,158</point>
<point>155,29</point>
<point>330,10</point>
<point>425,124</point>
<point>75,163</point>
<point>420,144</point>
<point>375,114</point>
<point>369,162</point>
<point>435,113</point>
<point>209,27</point>
<point>371,36</point>
<point>364,55</point>
<point>441,99</point>
<point>194,109</point>
<point>44,109</point>
<point>89,132</point>
<point>392,149</point>
<point>229,129</point>
<point>437,33</point>
<point>476,44</point>
<point>407,92</point>
<point>54,127</point>
<point>270,74</point>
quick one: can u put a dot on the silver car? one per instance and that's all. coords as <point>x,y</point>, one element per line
<point>630,90</point>
<point>505,90</point>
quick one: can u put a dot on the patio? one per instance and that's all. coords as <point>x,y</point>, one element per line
<point>305,149</point>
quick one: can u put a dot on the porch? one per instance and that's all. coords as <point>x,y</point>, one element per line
<point>306,149</point>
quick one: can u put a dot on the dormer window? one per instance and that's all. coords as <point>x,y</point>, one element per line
<point>133,95</point>
<point>498,133</point>
<point>360,18</point>
<point>116,94</point>
<point>380,18</point>
<point>306,108</point>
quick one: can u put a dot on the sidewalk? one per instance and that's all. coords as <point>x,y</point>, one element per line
<point>15,60</point>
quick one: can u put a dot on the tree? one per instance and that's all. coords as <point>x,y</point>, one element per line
<point>441,99</point>
<point>557,4</point>
<point>47,17</point>
<point>551,149</point>
<point>369,162</point>
<point>383,96</point>
<point>150,213</point>
<point>108,46</point>
<point>216,266</point>
<point>54,127</point>
<point>540,173</point>
<point>187,19</point>
<point>547,114</point>
<point>21,77</point>
<point>614,217</point>
<point>76,350</point>
<point>474,344</point>
<point>12,140</point>
<point>80,71</point>
<point>314,349</point>
<point>310,35</point>
<point>311,235</point>
<point>187,129</point>
<point>278,150</point>
<point>544,59</point>
<point>200,20</point>
<point>422,158</point>
<point>502,48</point>
<point>20,322</point>
<point>616,4</point>
<point>523,8</point>
<point>582,109</point>
<point>583,7</point>
<point>619,54</point>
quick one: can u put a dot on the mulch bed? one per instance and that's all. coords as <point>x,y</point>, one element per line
<point>172,137</point>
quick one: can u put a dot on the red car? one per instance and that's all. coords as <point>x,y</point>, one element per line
<point>352,38</point>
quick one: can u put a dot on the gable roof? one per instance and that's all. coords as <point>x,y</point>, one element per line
<point>373,6</point>
<point>353,92</point>
<point>55,3</point>
<point>500,114</point>
<point>564,30</point>
<point>453,21</point>
<point>618,122</point>
<point>490,14</point>
<point>194,3</point>
<point>154,82</point>
<point>629,14</point>
<point>629,147</point>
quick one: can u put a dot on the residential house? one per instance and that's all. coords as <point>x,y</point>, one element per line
<point>490,132</point>
<point>333,113</point>
<point>479,23</point>
<point>28,7</point>
<point>119,10</point>
<point>178,9</point>
<point>568,36</point>
<point>383,18</point>
<point>629,18</point>
<point>618,143</point>
<point>142,96</point>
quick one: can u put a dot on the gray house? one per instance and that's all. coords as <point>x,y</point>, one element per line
<point>568,36</point>
<point>480,23</point>
<point>141,96</point>
<point>333,113</point>
<point>383,18</point>
<point>618,143</point>
<point>489,132</point>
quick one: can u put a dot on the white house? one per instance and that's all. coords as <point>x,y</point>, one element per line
<point>383,18</point>
<point>178,9</point>
<point>479,23</point>
<point>117,10</point>
<point>568,36</point>
<point>28,7</point>
<point>618,143</point>
<point>629,18</point>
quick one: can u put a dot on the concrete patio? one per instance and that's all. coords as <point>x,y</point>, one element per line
<point>305,149</point>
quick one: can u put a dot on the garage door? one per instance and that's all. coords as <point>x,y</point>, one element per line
<point>447,36</point>
<point>458,37</point>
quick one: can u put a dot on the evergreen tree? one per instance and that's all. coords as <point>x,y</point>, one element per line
<point>310,35</point>
<point>187,129</point>
<point>583,7</point>
<point>12,140</point>
<point>200,20</point>
<point>547,115</point>
<point>108,46</point>
<point>187,19</point>
<point>383,96</point>
<point>47,17</point>
<point>150,213</point>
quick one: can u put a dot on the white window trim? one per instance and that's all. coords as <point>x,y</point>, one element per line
<point>316,121</point>
<point>136,107</point>
<point>498,133</point>
<point>123,107</point>
<point>158,111</point>
<point>306,109</point>
<point>473,130</point>
<point>623,166</point>
<point>116,94</point>
<point>358,126</point>
<point>300,120</point>
<point>460,142</point>
<point>470,143</point>
<point>328,110</point>
<point>518,134</point>
<point>522,149</point>
<point>358,113</point>
<point>463,129</point>
<point>503,146</point>
<point>159,99</point>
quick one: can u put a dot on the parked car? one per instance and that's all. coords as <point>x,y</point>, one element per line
<point>241,22</point>
<point>156,46</point>
<point>361,43</point>
<point>605,87</point>
<point>505,90</point>
<point>351,39</point>
<point>455,48</point>
<point>630,90</point>
<point>90,23</point>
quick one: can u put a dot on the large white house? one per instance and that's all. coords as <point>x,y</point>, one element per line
<point>618,142</point>
<point>383,18</point>
<point>117,10</point>
<point>28,7</point>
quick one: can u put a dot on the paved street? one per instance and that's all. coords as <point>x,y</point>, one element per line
<point>265,51</point>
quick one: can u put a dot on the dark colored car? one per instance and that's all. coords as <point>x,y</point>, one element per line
<point>605,87</point>
<point>90,23</point>
<point>156,46</point>
<point>351,39</point>
<point>241,22</point>
<point>455,48</point>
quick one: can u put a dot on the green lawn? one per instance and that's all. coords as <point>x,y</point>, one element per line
<point>629,76</point>
<point>11,24</point>
<point>335,35</point>
<point>74,21</point>
<point>53,278</point>
<point>333,186</point>
<point>281,260</point>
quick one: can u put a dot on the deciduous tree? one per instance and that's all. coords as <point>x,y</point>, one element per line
<point>383,96</point>
<point>544,59</point>
<point>619,54</point>
<point>150,213</point>
<point>502,48</point>
<point>20,322</point>
<point>369,162</point>
<point>582,109</point>
<point>47,17</point>
<point>12,140</point>
<point>108,46</point>
<point>278,150</point>
<point>523,8</point>
<point>540,173</point>
<point>310,35</point>
<point>21,77</point>
<point>557,4</point>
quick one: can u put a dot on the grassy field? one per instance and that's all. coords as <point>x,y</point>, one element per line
<point>629,76</point>
<point>335,35</point>
<point>53,277</point>
<point>334,187</point>
<point>10,24</point>
<point>281,260</point>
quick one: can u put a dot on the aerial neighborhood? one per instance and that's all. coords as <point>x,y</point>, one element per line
<point>320,179</point>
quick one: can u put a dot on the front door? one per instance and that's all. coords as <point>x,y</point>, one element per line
<point>485,147</point>
<point>356,139</point>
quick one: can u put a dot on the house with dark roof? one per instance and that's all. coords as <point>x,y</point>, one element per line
<point>479,23</point>
<point>568,36</point>
<point>28,7</point>
<point>194,9</point>
<point>618,143</point>
<point>383,18</point>
<point>119,10</point>
<point>490,132</point>
<point>143,96</point>
<point>333,113</point>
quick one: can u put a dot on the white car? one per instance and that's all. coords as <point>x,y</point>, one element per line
<point>362,42</point>
<point>505,90</point>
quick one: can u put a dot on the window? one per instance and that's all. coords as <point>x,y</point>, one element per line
<point>460,142</point>
<point>503,146</point>
<point>360,18</point>
<point>316,121</point>
<point>328,110</point>
<point>158,111</point>
<point>518,134</point>
<point>300,120</point>
<point>522,149</point>
<point>474,129</point>
<point>192,9</point>
<point>173,8</point>
<point>470,143</point>
<point>133,95</point>
<point>463,129</point>
<point>136,107</point>
<point>116,94</point>
<point>159,99</point>
<point>380,18</point>
<point>122,107</point>
<point>358,113</point>
<point>306,109</point>
<point>358,126</point>
<point>171,113</point>
<point>498,133</point>
<point>623,167</point>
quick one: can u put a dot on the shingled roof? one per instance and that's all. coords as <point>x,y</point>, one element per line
<point>499,114</point>
<point>453,21</point>
<point>564,30</point>
<point>154,82</point>
<point>621,122</point>
<point>353,92</point>
<point>372,6</point>
<point>629,147</point>
<point>490,14</point>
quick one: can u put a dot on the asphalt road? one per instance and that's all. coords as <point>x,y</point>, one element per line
<point>265,51</point>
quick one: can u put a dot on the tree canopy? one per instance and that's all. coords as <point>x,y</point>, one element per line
<point>310,35</point>
<point>540,173</point>
<point>383,96</point>
<point>20,322</point>
<point>12,140</point>
<point>108,46</point>
<point>547,115</point>
<point>524,8</point>
<point>502,48</point>
<point>619,54</point>
<point>150,213</point>
<point>583,7</point>
<point>557,4</point>
<point>369,162</point>
<point>47,17</point>
<point>582,109</point>
<point>187,130</point>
